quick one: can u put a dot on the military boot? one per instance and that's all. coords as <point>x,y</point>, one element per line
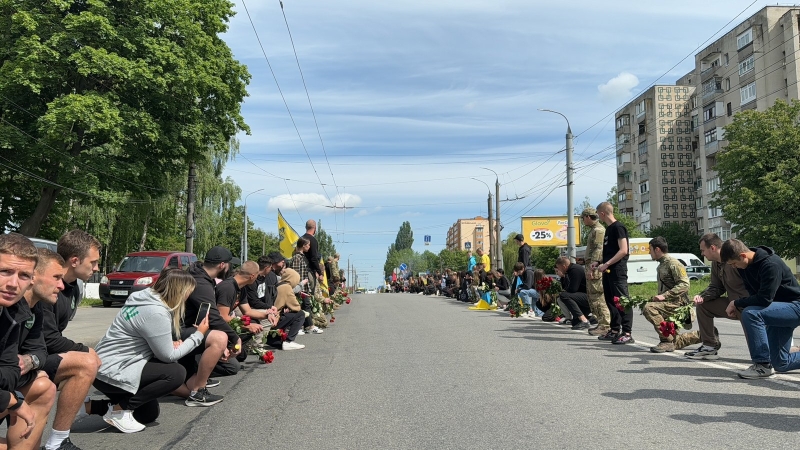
<point>599,331</point>
<point>663,347</point>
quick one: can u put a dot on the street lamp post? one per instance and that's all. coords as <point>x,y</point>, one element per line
<point>570,170</point>
<point>492,247</point>
<point>244,240</point>
<point>498,254</point>
<point>349,279</point>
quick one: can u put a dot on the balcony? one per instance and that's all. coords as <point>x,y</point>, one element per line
<point>625,186</point>
<point>624,167</point>
<point>644,176</point>
<point>644,197</point>
<point>711,148</point>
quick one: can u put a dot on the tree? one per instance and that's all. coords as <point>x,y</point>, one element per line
<point>759,177</point>
<point>405,237</point>
<point>109,99</point>
<point>510,253</point>
<point>453,259</point>
<point>326,246</point>
<point>681,237</point>
<point>545,258</point>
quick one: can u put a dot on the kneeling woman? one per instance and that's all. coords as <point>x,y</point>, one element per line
<point>139,353</point>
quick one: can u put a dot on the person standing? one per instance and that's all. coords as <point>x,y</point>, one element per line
<point>487,263</point>
<point>673,292</point>
<point>594,278</point>
<point>312,255</point>
<point>471,262</point>
<point>615,275</point>
<point>524,252</point>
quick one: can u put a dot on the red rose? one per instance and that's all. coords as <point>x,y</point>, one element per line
<point>333,319</point>
<point>347,301</point>
<point>616,299</point>
<point>284,335</point>
<point>268,357</point>
<point>663,323</point>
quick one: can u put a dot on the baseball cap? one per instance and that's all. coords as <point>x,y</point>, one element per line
<point>519,237</point>
<point>276,257</point>
<point>220,254</point>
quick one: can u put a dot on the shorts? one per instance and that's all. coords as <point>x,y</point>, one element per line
<point>51,365</point>
<point>25,379</point>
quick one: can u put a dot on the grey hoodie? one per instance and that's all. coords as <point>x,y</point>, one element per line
<point>141,331</point>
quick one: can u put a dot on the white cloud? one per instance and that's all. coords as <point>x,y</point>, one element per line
<point>618,89</point>
<point>367,211</point>
<point>312,202</point>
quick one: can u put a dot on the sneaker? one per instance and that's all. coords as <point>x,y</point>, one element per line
<point>611,335</point>
<point>757,371</point>
<point>704,352</point>
<point>581,326</point>
<point>291,346</point>
<point>662,347</point>
<point>598,331</point>
<point>203,398</point>
<point>592,319</point>
<point>66,444</point>
<point>563,321</point>
<point>624,339</point>
<point>316,330</point>
<point>122,420</point>
<point>211,382</point>
<point>301,332</point>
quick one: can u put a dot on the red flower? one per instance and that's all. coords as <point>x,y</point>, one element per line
<point>284,335</point>
<point>616,299</point>
<point>246,320</point>
<point>268,357</point>
<point>333,319</point>
<point>347,301</point>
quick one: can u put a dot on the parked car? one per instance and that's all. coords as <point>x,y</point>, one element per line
<point>138,271</point>
<point>697,272</point>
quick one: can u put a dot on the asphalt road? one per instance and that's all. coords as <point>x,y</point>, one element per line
<point>408,371</point>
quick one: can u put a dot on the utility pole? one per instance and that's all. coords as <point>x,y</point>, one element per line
<point>190,199</point>
<point>570,170</point>
<point>498,261</point>
<point>492,248</point>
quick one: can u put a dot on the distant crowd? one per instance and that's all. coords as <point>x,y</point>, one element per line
<point>168,339</point>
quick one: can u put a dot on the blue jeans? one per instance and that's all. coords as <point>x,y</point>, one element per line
<point>529,297</point>
<point>769,334</point>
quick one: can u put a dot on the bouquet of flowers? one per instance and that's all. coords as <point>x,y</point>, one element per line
<point>264,355</point>
<point>238,324</point>
<point>338,297</point>
<point>516,308</point>
<point>681,317</point>
<point>623,303</point>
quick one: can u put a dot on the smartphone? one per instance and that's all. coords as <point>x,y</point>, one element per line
<point>204,307</point>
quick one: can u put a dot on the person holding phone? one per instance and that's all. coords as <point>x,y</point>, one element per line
<point>139,350</point>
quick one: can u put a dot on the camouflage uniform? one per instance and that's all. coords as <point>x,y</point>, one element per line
<point>594,279</point>
<point>673,283</point>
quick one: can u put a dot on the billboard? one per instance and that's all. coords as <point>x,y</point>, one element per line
<point>548,231</point>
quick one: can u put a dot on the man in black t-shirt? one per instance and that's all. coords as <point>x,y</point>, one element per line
<point>615,275</point>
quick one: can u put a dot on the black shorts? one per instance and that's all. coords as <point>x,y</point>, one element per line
<point>51,365</point>
<point>25,379</point>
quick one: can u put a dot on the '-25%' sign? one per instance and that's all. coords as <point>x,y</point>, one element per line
<point>550,231</point>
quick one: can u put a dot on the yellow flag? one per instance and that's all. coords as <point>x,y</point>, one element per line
<point>287,235</point>
<point>324,282</point>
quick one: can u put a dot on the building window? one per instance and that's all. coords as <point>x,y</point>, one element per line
<point>642,128</point>
<point>644,187</point>
<point>747,65</point>
<point>712,86</point>
<point>710,135</point>
<point>623,120</point>
<point>743,39</point>
<point>642,148</point>
<point>646,207</point>
<point>639,109</point>
<point>748,93</point>
<point>712,185</point>
<point>730,109</point>
<point>714,212</point>
<point>709,113</point>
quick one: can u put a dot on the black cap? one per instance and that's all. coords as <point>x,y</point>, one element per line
<point>519,238</point>
<point>276,257</point>
<point>220,254</point>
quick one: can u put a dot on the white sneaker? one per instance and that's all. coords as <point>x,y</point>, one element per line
<point>122,420</point>
<point>301,332</point>
<point>291,346</point>
<point>757,371</point>
<point>316,330</point>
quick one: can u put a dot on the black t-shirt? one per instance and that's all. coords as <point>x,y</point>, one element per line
<point>253,294</point>
<point>227,293</point>
<point>614,233</point>
<point>270,290</point>
<point>575,279</point>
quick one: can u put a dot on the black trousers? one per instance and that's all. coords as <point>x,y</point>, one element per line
<point>158,379</point>
<point>307,306</point>
<point>615,284</point>
<point>577,303</point>
<point>291,322</point>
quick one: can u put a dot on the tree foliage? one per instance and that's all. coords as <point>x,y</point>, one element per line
<point>326,246</point>
<point>405,237</point>
<point>759,174</point>
<point>630,223</point>
<point>681,237</point>
<point>105,104</point>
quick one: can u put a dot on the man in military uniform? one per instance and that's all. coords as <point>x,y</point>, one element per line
<point>594,279</point>
<point>673,292</point>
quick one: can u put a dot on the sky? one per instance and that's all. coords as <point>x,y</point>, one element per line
<point>414,106</point>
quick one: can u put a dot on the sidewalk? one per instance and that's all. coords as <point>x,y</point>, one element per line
<point>90,324</point>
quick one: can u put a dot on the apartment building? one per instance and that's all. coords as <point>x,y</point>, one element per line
<point>655,173</point>
<point>750,67</point>
<point>668,137</point>
<point>469,234</point>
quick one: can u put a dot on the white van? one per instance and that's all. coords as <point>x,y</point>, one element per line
<point>642,269</point>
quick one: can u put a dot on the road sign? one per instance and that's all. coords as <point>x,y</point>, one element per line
<point>468,245</point>
<point>427,240</point>
<point>403,267</point>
